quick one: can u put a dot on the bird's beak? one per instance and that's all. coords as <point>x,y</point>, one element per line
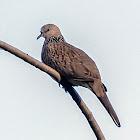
<point>39,36</point>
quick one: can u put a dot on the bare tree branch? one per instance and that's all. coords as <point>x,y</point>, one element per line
<point>68,87</point>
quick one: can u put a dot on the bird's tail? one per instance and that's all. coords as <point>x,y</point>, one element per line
<point>105,101</point>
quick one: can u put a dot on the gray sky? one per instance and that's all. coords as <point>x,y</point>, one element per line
<point>32,106</point>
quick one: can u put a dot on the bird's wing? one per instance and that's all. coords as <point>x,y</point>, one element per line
<point>76,64</point>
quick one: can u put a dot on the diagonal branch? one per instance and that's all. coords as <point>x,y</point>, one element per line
<point>67,86</point>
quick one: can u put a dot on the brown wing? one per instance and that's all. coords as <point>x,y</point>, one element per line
<point>70,62</point>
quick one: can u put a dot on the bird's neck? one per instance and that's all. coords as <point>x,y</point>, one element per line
<point>57,38</point>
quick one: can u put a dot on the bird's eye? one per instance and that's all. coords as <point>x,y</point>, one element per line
<point>47,30</point>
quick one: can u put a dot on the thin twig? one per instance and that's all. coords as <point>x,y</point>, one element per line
<point>76,97</point>
<point>68,87</point>
<point>31,60</point>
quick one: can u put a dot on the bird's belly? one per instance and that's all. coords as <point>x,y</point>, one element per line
<point>79,83</point>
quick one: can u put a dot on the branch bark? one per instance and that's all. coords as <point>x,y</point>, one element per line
<point>68,87</point>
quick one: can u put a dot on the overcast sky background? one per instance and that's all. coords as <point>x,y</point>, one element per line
<point>33,106</point>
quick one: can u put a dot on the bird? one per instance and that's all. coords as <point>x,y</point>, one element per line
<point>74,65</point>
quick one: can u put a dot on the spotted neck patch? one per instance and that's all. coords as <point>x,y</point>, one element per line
<point>58,38</point>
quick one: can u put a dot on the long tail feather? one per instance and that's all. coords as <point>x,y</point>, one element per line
<point>105,101</point>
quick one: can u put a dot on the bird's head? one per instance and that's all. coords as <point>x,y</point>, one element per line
<point>48,31</point>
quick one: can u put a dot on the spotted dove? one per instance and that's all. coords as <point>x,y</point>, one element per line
<point>74,65</point>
